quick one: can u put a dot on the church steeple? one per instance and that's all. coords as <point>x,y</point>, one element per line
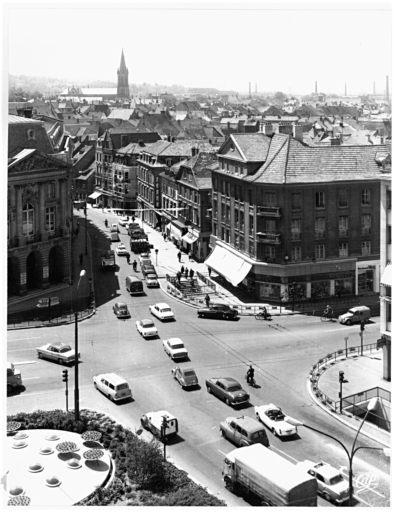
<point>123,79</point>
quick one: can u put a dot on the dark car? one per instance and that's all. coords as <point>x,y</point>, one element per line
<point>147,269</point>
<point>218,311</point>
<point>244,431</point>
<point>121,310</point>
<point>228,389</point>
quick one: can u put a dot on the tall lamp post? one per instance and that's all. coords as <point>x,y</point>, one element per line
<point>370,407</point>
<point>76,385</point>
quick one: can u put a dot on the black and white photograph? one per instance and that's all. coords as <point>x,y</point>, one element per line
<point>199,254</point>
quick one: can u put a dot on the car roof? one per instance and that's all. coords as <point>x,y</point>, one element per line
<point>326,470</point>
<point>228,380</point>
<point>175,340</point>
<point>151,275</point>
<point>159,414</point>
<point>162,305</point>
<point>58,344</point>
<point>144,320</point>
<point>189,369</point>
<point>249,424</point>
<point>113,377</point>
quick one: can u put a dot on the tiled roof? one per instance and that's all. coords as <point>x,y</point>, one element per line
<point>121,113</point>
<point>289,161</point>
<point>19,120</point>
<point>254,146</point>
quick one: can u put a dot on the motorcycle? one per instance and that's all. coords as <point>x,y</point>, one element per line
<point>250,381</point>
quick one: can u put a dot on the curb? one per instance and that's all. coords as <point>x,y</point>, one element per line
<point>52,325</point>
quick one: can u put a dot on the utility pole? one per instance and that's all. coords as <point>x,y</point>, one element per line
<point>342,380</point>
<point>164,427</point>
<point>65,379</point>
<point>346,340</point>
<point>86,229</point>
<point>362,329</point>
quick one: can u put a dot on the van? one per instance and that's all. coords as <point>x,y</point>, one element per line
<point>113,386</point>
<point>134,285</point>
<point>114,237</point>
<point>356,314</point>
<point>14,377</point>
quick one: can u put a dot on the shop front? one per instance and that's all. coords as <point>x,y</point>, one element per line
<point>268,287</point>
<point>367,277</point>
<point>189,241</point>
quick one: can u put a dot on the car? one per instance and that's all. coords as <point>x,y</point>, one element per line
<point>57,351</point>
<point>186,377</point>
<point>114,237</point>
<point>274,419</point>
<point>162,311</point>
<point>154,421</point>
<point>244,431</point>
<point>144,256</point>
<point>228,389</point>
<point>121,310</point>
<point>113,386</point>
<point>175,348</point>
<point>147,269</point>
<point>123,221</point>
<point>151,280</point>
<point>218,311</point>
<point>114,228</point>
<point>330,482</point>
<point>121,250</point>
<point>146,328</point>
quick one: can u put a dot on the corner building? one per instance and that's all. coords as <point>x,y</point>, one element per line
<point>292,218</point>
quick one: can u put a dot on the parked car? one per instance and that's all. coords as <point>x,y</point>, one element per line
<point>114,228</point>
<point>274,419</point>
<point>144,256</point>
<point>121,310</point>
<point>153,421</point>
<point>228,389</point>
<point>185,376</point>
<point>121,250</point>
<point>162,311</point>
<point>147,269</point>
<point>123,221</point>
<point>243,431</point>
<point>114,237</point>
<point>151,280</point>
<point>146,261</point>
<point>57,351</point>
<point>113,386</point>
<point>218,311</point>
<point>330,482</point>
<point>146,328</point>
<point>175,348</point>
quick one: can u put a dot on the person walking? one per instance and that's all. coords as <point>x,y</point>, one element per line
<point>207,300</point>
<point>178,276</point>
<point>182,269</point>
<point>135,266</point>
<point>191,273</point>
<point>81,259</point>
<point>106,223</point>
<point>128,258</point>
<point>186,272</point>
<point>133,218</point>
<point>164,236</point>
<point>209,271</point>
<point>179,256</point>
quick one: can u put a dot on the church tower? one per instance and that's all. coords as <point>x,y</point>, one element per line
<point>123,80</point>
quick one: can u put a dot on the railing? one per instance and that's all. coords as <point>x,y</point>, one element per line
<point>40,318</point>
<point>269,211</point>
<point>350,404</point>
<point>268,238</point>
<point>207,281</point>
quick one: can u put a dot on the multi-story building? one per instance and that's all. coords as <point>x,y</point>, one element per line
<point>385,264</point>
<point>186,200</point>
<point>152,162</point>
<point>39,209</point>
<point>291,217</point>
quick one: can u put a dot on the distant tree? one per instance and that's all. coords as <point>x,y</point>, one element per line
<point>280,96</point>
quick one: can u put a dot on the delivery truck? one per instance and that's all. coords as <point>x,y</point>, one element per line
<point>263,474</point>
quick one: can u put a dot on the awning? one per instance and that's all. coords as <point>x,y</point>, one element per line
<point>386,278</point>
<point>231,267</point>
<point>189,238</point>
<point>95,195</point>
<point>175,232</point>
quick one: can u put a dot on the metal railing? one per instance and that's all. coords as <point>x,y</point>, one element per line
<point>38,320</point>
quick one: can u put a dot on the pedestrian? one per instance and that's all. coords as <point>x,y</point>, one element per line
<point>178,276</point>
<point>182,269</point>
<point>81,259</point>
<point>165,237</point>
<point>186,272</point>
<point>135,266</point>
<point>106,223</point>
<point>133,218</point>
<point>209,271</point>
<point>191,273</point>
<point>207,300</point>
<point>179,256</point>
<point>128,258</point>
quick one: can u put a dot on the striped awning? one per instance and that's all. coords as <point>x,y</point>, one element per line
<point>386,278</point>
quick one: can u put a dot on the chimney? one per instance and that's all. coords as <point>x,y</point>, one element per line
<point>335,141</point>
<point>298,132</point>
<point>267,129</point>
<point>369,138</point>
<point>172,139</point>
<point>141,143</point>
<point>210,141</point>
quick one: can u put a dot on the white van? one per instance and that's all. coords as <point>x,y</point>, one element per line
<point>113,386</point>
<point>356,314</point>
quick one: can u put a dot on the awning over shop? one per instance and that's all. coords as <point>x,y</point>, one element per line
<point>387,277</point>
<point>95,195</point>
<point>175,232</point>
<point>189,238</point>
<point>231,267</point>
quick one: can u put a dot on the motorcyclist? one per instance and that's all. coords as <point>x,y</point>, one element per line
<point>328,311</point>
<point>250,374</point>
<point>265,313</point>
<point>135,266</point>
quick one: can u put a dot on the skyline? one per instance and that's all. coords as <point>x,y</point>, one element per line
<point>332,44</point>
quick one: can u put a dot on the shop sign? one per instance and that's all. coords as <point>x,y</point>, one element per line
<point>45,272</point>
<point>340,275</point>
<point>368,267</point>
<point>23,277</point>
<point>268,279</point>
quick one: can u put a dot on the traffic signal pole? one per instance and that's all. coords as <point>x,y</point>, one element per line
<point>362,328</point>
<point>342,380</point>
<point>65,379</point>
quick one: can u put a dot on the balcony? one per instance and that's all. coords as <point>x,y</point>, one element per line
<point>269,238</point>
<point>296,235</point>
<point>269,211</point>
<point>343,233</point>
<point>320,233</point>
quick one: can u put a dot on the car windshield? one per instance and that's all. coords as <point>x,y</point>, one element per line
<point>190,373</point>
<point>336,479</point>
<point>177,345</point>
<point>64,349</point>
<point>258,434</point>
<point>147,323</point>
<point>122,307</point>
<point>165,310</point>
<point>234,387</point>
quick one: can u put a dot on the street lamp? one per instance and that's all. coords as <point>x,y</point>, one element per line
<point>76,390</point>
<point>370,407</point>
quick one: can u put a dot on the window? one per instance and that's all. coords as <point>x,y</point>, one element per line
<point>296,201</point>
<point>365,248</point>
<point>320,251</point>
<point>296,229</point>
<point>224,188</point>
<point>236,218</point>
<point>251,248</point>
<point>270,226</point>
<point>51,190</point>
<point>241,243</point>
<point>214,184</point>
<point>223,209</point>
<point>190,176</point>
<point>270,252</point>
<point>50,218</point>
<point>236,192</point>
<point>343,225</point>
<point>319,200</point>
<point>215,209</point>
<point>343,249</point>
<point>270,198</point>
<point>251,224</point>
<point>228,189</point>
<point>296,253</point>
<point>28,220</point>
<point>320,225</point>
<point>366,224</point>
<point>366,196</point>
<point>251,197</point>
<point>236,240</point>
<point>241,220</point>
<point>388,199</point>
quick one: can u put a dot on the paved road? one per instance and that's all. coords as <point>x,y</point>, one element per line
<point>281,351</point>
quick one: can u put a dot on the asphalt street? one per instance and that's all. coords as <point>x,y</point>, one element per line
<point>281,351</point>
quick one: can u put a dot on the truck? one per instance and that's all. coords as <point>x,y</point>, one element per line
<point>139,245</point>
<point>14,377</point>
<point>107,260</point>
<point>263,474</point>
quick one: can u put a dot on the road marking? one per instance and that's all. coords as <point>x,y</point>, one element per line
<point>30,378</point>
<point>21,339</point>
<point>213,427</point>
<point>22,349</point>
<point>30,394</point>
<point>25,362</point>
<point>220,451</point>
<point>285,454</point>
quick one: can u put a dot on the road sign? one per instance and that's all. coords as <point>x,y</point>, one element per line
<point>44,303</point>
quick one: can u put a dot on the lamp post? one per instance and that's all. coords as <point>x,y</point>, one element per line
<point>370,407</point>
<point>86,230</point>
<point>76,386</point>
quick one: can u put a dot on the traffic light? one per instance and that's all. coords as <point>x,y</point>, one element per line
<point>362,325</point>
<point>65,375</point>
<point>164,423</point>
<point>342,379</point>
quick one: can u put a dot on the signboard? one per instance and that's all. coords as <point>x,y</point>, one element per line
<point>45,272</point>
<point>23,277</point>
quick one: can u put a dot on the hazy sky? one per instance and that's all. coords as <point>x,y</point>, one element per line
<point>281,46</point>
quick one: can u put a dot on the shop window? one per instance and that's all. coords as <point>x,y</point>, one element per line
<point>296,253</point>
<point>269,290</point>
<point>365,280</point>
<point>320,289</point>
<point>366,224</point>
<point>343,249</point>
<point>320,200</point>
<point>366,248</point>
<point>28,220</point>
<point>296,201</point>
<point>365,196</point>
<point>320,252</point>
<point>343,287</point>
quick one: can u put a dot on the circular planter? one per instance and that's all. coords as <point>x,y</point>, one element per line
<point>35,467</point>
<point>15,491</point>
<point>19,444</point>
<point>52,437</point>
<point>73,464</point>
<point>46,450</point>
<point>53,481</point>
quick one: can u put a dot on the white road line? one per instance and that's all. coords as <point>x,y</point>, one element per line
<point>220,451</point>
<point>22,339</point>
<point>25,362</point>
<point>22,349</point>
<point>30,394</point>
<point>285,454</point>
<point>30,378</point>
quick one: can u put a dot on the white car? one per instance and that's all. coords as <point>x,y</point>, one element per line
<point>121,250</point>
<point>146,328</point>
<point>57,351</point>
<point>274,419</point>
<point>175,348</point>
<point>162,311</point>
<point>151,281</point>
<point>114,228</point>
<point>123,221</point>
<point>330,482</point>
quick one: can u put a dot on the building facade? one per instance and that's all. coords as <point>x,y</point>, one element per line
<point>287,217</point>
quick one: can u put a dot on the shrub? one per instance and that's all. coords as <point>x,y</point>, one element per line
<point>145,464</point>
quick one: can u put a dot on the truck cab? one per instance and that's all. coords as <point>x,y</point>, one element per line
<point>14,377</point>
